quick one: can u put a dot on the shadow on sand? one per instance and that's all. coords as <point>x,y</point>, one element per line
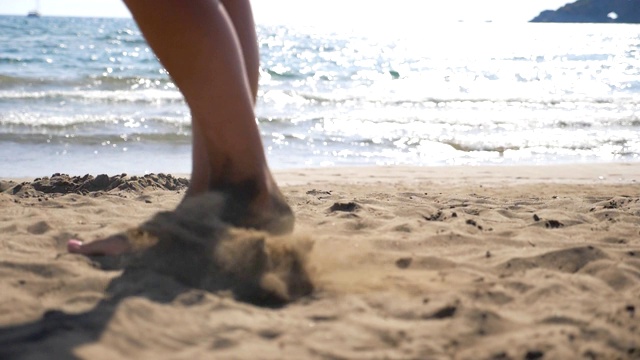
<point>174,253</point>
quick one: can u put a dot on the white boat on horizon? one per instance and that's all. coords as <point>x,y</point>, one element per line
<point>35,13</point>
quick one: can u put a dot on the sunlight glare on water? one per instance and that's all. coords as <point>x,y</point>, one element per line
<point>419,94</point>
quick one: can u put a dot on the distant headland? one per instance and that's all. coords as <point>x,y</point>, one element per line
<point>594,11</point>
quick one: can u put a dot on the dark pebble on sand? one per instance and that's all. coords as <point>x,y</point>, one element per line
<point>553,224</point>
<point>501,356</point>
<point>404,263</point>
<point>347,207</point>
<point>445,312</point>
<point>433,217</point>
<point>315,192</point>
<point>534,355</point>
<point>536,217</point>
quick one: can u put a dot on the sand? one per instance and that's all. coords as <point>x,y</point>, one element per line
<point>538,262</point>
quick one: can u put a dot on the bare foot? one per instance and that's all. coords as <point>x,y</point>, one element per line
<point>242,208</point>
<point>256,203</point>
<point>112,245</point>
<point>266,212</point>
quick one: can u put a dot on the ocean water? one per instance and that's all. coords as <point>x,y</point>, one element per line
<point>86,95</point>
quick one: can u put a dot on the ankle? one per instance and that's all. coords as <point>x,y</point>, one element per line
<point>257,204</point>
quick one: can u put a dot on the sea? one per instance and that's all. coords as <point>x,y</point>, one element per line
<point>87,95</point>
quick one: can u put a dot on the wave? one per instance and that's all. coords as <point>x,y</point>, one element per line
<point>548,101</point>
<point>123,36</point>
<point>110,82</point>
<point>14,80</point>
<point>144,96</point>
<point>37,123</point>
<point>126,82</point>
<point>284,74</point>
<point>145,91</point>
<point>108,140</point>
<point>8,60</point>
<point>469,147</point>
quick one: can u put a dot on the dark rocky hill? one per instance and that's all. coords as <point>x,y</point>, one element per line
<point>594,11</point>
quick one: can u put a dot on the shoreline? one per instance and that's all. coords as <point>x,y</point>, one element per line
<point>614,172</point>
<point>490,174</point>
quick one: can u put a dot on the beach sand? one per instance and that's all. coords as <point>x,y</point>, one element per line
<point>537,262</point>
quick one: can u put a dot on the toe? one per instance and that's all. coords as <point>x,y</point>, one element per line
<point>113,245</point>
<point>74,246</point>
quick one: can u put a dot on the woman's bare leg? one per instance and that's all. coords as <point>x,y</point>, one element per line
<point>242,18</point>
<point>198,44</point>
<point>239,11</point>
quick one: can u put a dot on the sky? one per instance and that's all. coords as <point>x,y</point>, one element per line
<point>285,12</point>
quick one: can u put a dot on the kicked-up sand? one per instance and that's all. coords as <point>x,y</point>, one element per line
<point>537,262</point>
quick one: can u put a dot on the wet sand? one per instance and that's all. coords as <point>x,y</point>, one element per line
<point>538,262</point>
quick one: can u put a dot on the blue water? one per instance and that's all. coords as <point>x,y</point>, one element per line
<point>80,95</point>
